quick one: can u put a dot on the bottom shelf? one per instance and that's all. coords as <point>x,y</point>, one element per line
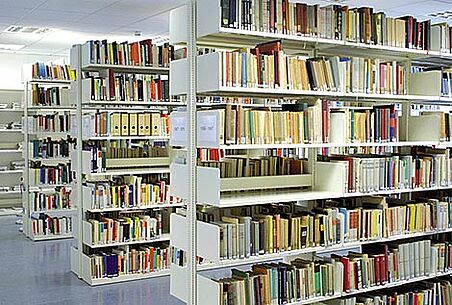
<point>126,278</point>
<point>179,277</point>
<point>50,237</point>
<point>84,271</point>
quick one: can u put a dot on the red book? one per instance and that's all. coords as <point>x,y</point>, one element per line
<point>346,262</point>
<point>135,53</point>
<point>272,15</point>
<point>377,270</point>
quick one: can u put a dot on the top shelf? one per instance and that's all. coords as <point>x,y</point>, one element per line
<point>49,81</point>
<point>212,34</point>
<point>126,68</point>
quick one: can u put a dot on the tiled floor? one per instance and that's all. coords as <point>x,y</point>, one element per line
<point>39,273</point>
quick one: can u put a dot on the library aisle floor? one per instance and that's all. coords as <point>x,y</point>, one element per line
<point>39,273</point>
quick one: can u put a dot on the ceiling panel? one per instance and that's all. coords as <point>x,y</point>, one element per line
<point>14,11</point>
<point>21,3</point>
<point>79,6</point>
<point>51,16</point>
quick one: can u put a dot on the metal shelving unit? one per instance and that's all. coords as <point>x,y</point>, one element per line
<point>199,75</point>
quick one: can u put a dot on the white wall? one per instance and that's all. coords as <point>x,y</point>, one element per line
<point>11,67</point>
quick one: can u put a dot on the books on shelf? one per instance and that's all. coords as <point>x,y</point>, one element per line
<point>435,82</point>
<point>441,37</point>
<point>40,70</point>
<point>302,279</point>
<point>119,154</point>
<point>336,22</point>
<point>118,124</point>
<point>371,173</point>
<point>57,122</point>
<point>50,175</point>
<point>139,53</point>
<point>302,123</point>
<point>61,199</point>
<point>267,66</point>
<point>118,262</point>
<point>139,227</point>
<point>45,225</point>
<point>51,149</point>
<point>129,192</point>
<point>233,167</point>
<point>428,292</point>
<point>127,87</point>
<point>49,96</point>
<point>275,229</point>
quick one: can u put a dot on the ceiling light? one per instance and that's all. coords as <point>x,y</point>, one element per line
<point>11,47</point>
<point>445,15</point>
<point>16,29</point>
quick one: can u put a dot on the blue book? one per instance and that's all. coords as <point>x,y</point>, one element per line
<point>244,72</point>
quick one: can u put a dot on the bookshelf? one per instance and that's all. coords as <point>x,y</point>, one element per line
<point>47,200</point>
<point>121,165</point>
<point>11,151</point>
<point>219,213</point>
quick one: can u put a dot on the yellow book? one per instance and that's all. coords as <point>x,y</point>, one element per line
<point>124,124</point>
<point>141,124</point>
<point>148,125</point>
<point>133,124</point>
<point>115,119</point>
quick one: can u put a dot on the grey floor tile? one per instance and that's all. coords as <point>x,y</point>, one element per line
<point>39,274</point>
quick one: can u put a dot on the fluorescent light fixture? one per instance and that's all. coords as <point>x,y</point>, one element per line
<point>16,29</point>
<point>11,47</point>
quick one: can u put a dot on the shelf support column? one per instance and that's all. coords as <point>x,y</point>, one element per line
<point>26,223</point>
<point>78,178</point>
<point>192,153</point>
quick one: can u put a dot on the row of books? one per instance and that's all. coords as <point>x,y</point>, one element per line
<point>233,167</point>
<point>274,230</point>
<point>437,292</point>
<point>40,70</point>
<point>136,227</point>
<point>49,123</point>
<point>130,192</point>
<point>98,155</point>
<point>49,96</point>
<point>129,87</point>
<point>126,124</point>
<point>139,53</point>
<point>118,262</point>
<point>136,149</point>
<point>268,66</point>
<point>49,148</point>
<point>299,123</point>
<point>337,22</point>
<point>371,173</point>
<point>44,224</point>
<point>59,200</point>
<point>50,175</point>
<point>281,283</point>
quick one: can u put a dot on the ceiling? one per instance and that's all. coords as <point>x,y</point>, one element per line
<point>75,21</point>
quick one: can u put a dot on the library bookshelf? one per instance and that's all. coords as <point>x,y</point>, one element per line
<point>48,213</point>
<point>208,77</point>
<point>117,170</point>
<point>11,151</point>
